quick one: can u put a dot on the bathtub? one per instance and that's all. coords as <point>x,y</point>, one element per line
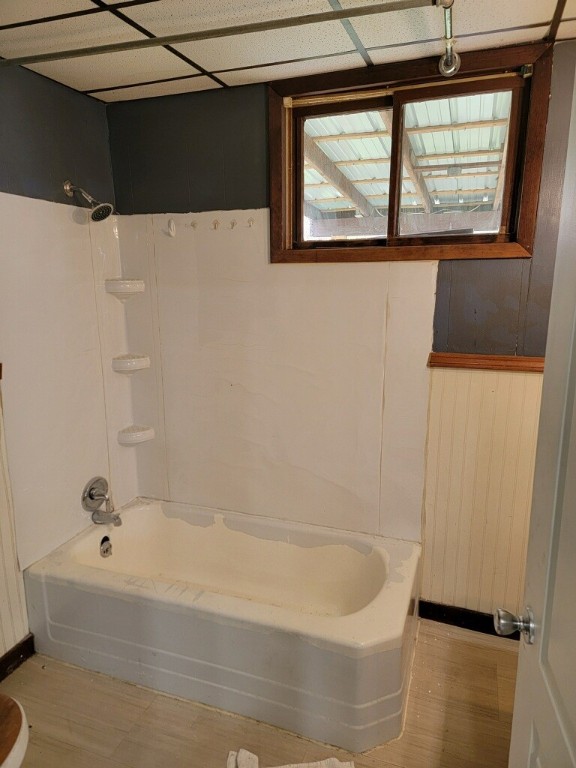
<point>306,628</point>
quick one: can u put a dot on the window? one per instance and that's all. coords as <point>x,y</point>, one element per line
<point>411,167</point>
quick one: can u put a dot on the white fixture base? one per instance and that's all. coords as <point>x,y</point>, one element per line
<point>130,363</point>
<point>135,434</point>
<point>123,289</point>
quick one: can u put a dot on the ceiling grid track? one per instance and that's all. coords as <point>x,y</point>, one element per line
<point>95,91</point>
<point>347,24</point>
<point>131,23</point>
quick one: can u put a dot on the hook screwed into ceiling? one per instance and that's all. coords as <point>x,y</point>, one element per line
<point>449,62</point>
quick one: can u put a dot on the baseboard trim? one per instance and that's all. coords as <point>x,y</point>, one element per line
<point>16,656</point>
<point>460,617</point>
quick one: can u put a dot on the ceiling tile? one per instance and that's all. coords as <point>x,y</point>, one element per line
<point>396,26</point>
<point>294,69</point>
<point>171,17</point>
<point>428,23</point>
<point>113,69</point>
<point>201,83</point>
<point>13,11</point>
<point>471,16</point>
<point>81,32</point>
<point>405,52</point>
<point>500,38</point>
<point>473,43</point>
<point>269,47</point>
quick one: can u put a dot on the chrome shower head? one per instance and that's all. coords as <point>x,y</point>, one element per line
<point>100,211</point>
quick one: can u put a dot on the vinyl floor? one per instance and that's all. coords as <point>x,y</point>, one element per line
<point>459,716</point>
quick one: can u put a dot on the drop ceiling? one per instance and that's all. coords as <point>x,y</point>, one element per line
<point>29,27</point>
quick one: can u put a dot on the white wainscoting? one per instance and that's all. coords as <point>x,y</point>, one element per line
<point>13,619</point>
<point>480,463</point>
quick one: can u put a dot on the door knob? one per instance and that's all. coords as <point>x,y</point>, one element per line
<point>506,623</point>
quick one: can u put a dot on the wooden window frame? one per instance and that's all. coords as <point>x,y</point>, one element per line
<point>524,69</point>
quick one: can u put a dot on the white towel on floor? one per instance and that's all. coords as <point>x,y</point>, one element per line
<point>245,759</point>
<point>241,759</point>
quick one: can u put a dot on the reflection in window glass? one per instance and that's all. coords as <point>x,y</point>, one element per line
<point>347,175</point>
<point>454,155</point>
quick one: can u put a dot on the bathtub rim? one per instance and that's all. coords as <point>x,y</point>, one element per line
<point>378,626</point>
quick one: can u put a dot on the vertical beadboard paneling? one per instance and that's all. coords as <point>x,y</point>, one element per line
<point>13,620</point>
<point>480,461</point>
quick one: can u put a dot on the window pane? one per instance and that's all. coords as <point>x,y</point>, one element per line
<point>454,156</point>
<point>346,175</point>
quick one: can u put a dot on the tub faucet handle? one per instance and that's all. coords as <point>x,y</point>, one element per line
<point>95,492</point>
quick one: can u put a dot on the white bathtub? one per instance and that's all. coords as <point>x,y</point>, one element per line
<point>306,628</point>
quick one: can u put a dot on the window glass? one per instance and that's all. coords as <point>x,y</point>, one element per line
<point>454,153</point>
<point>346,175</point>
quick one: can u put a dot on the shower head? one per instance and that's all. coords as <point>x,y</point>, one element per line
<point>100,211</point>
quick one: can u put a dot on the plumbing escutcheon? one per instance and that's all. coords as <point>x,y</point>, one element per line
<point>94,494</point>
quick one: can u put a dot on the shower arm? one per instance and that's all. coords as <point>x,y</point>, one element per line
<point>70,188</point>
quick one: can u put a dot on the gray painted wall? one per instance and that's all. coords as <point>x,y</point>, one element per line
<point>192,152</point>
<point>502,307</point>
<point>50,133</point>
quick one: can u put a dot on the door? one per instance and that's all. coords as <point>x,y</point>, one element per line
<point>544,725</point>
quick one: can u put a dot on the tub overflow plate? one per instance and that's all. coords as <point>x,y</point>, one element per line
<point>105,547</point>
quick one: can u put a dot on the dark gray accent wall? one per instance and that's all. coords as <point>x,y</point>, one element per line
<point>50,133</point>
<point>501,307</point>
<point>192,152</point>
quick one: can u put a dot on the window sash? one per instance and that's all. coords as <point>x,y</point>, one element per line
<point>515,84</point>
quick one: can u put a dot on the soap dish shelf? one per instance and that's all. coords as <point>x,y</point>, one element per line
<point>124,289</point>
<point>130,363</point>
<point>135,434</point>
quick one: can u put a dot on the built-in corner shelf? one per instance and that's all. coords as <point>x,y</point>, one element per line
<point>130,363</point>
<point>123,289</point>
<point>135,434</point>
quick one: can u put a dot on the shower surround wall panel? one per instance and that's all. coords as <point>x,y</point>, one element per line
<point>143,337</point>
<point>409,311</point>
<point>52,376</point>
<point>122,476</point>
<point>287,388</point>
